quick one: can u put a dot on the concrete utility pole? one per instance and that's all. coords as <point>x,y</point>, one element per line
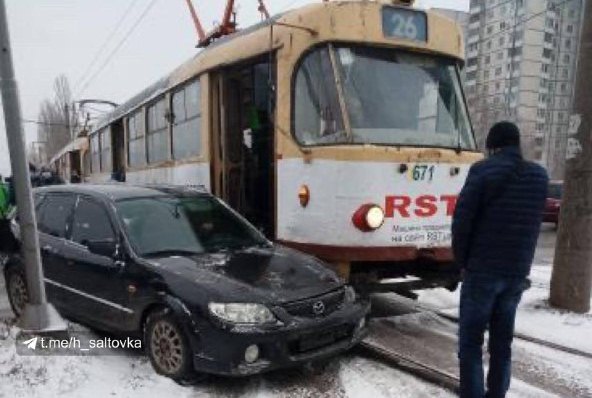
<point>571,284</point>
<point>38,315</point>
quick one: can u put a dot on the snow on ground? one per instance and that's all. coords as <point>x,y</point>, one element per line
<point>130,375</point>
<point>535,317</point>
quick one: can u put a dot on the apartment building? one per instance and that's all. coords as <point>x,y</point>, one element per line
<point>521,58</point>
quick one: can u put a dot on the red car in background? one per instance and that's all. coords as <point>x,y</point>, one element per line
<point>553,205</point>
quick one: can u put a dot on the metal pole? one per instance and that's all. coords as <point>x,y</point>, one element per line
<point>571,283</point>
<point>38,315</point>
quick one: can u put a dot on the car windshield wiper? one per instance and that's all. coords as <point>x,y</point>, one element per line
<point>172,252</point>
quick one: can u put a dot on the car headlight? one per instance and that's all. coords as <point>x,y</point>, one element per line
<point>242,313</point>
<point>350,294</point>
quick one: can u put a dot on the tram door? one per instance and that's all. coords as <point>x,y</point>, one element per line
<point>243,142</point>
<point>118,153</point>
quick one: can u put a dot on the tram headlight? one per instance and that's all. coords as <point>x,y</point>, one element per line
<point>368,218</point>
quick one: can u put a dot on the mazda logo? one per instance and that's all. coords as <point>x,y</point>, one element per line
<point>318,308</point>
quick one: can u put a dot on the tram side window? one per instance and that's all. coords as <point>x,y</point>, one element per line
<point>106,158</point>
<point>135,138</point>
<point>186,121</point>
<point>95,151</point>
<point>157,132</point>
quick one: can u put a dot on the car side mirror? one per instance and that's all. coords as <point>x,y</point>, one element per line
<point>107,248</point>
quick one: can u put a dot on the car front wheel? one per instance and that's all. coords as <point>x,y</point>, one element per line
<point>167,346</point>
<point>16,286</point>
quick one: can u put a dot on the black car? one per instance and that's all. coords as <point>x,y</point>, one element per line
<point>208,292</point>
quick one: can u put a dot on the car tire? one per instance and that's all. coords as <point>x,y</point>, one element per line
<point>168,347</point>
<point>16,288</point>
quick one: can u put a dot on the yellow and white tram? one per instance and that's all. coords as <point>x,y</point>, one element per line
<point>339,128</point>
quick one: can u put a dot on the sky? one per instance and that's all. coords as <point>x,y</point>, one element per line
<point>53,37</point>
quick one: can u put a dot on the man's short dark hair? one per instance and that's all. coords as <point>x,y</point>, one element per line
<point>503,134</point>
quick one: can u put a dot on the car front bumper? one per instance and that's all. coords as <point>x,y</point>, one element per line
<point>222,350</point>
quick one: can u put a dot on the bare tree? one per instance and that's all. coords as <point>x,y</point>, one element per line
<point>55,118</point>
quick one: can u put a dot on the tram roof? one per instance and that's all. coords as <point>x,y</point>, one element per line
<point>223,50</point>
<point>164,83</point>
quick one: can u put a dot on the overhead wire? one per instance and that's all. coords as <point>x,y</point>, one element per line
<point>118,46</point>
<point>106,42</point>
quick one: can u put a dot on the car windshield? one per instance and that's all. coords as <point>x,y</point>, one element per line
<point>365,95</point>
<point>555,191</point>
<point>169,225</point>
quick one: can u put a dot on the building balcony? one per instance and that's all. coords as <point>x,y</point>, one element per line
<point>475,10</point>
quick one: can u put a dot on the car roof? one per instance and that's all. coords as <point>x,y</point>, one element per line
<point>119,191</point>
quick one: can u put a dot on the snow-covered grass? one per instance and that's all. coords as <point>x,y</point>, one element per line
<point>535,316</point>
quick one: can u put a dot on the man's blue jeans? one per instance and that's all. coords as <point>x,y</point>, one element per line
<point>487,301</point>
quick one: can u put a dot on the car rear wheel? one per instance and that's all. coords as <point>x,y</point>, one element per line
<point>16,286</point>
<point>167,346</point>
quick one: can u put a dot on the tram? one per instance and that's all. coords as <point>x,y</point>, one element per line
<point>339,128</point>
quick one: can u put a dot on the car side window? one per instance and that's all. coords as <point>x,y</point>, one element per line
<point>55,214</point>
<point>91,222</point>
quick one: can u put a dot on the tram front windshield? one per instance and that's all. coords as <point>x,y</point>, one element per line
<point>366,95</point>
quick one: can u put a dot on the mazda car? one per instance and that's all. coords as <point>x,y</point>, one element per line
<point>207,292</point>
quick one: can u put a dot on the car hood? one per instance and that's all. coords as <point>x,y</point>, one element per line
<point>271,275</point>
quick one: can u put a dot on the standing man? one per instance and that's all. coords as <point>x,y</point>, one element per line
<point>494,234</point>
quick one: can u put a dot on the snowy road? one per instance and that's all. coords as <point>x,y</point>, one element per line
<point>129,374</point>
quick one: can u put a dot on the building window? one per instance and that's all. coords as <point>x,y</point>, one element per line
<point>157,132</point>
<point>106,158</point>
<point>547,53</point>
<point>498,71</point>
<point>549,23</point>
<point>186,121</point>
<point>500,55</point>
<point>568,44</point>
<point>566,58</point>
<point>487,60</point>
<point>95,150</point>
<point>545,68</point>
<point>136,146</point>
<point>570,28</point>
<point>548,38</point>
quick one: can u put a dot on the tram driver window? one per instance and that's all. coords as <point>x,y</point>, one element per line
<point>390,97</point>
<point>157,132</point>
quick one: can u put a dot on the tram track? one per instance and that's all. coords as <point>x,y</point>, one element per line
<point>429,352</point>
<point>409,365</point>
<point>521,336</point>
